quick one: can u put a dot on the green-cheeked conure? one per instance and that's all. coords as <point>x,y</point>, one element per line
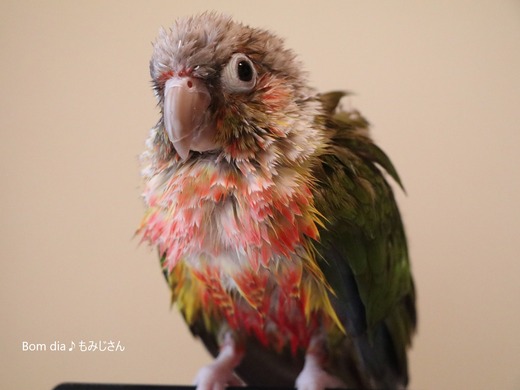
<point>277,230</point>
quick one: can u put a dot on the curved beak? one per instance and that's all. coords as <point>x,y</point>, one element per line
<point>186,117</point>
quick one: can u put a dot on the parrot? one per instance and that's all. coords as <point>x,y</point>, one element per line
<point>274,217</point>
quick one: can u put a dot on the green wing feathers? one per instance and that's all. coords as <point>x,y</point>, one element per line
<point>364,229</point>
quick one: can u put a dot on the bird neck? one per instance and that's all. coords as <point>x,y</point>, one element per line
<point>208,210</point>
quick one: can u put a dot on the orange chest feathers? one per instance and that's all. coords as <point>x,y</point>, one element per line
<point>238,250</point>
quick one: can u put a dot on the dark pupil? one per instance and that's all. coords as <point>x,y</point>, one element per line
<point>245,72</point>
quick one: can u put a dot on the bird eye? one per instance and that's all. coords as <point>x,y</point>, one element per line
<point>239,75</point>
<point>244,71</point>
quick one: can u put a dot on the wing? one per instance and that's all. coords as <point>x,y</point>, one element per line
<point>363,247</point>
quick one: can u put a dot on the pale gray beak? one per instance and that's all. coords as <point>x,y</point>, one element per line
<point>187,120</point>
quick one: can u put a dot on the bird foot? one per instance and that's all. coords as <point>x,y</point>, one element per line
<point>216,377</point>
<point>219,374</point>
<point>316,378</point>
<point>313,376</point>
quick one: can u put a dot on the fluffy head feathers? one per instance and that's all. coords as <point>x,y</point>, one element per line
<point>206,42</point>
<point>266,116</point>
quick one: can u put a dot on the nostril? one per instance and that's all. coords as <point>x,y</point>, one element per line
<point>190,84</point>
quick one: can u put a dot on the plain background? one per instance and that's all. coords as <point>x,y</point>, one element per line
<point>440,83</point>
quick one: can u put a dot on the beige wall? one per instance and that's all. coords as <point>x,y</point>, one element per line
<point>439,80</point>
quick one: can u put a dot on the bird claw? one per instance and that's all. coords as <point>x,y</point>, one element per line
<point>313,376</point>
<point>318,379</point>
<point>216,376</point>
<point>220,374</point>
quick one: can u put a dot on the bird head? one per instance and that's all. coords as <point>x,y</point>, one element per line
<point>229,90</point>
